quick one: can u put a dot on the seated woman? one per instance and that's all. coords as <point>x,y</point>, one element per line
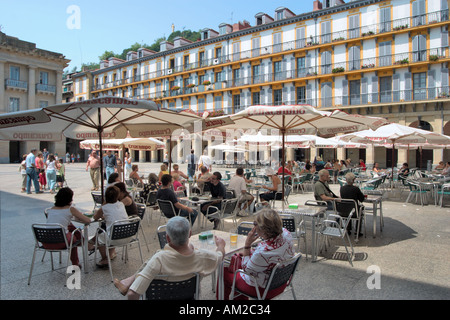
<point>177,186</point>
<point>152,185</point>
<point>362,165</point>
<point>134,176</point>
<point>111,211</point>
<point>273,189</point>
<point>276,246</point>
<point>126,199</point>
<point>162,172</point>
<point>376,169</point>
<point>440,166</point>
<point>404,170</point>
<point>62,213</point>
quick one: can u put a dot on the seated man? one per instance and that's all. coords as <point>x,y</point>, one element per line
<point>166,193</point>
<point>202,178</point>
<point>349,191</point>
<point>322,191</point>
<point>179,260</point>
<point>176,169</point>
<point>239,184</point>
<point>218,193</point>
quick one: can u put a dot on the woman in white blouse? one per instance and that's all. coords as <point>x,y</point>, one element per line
<point>276,246</point>
<point>51,172</point>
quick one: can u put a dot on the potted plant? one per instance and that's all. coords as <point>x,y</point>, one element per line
<point>206,83</point>
<point>175,88</point>
<point>434,57</point>
<point>190,85</point>
<point>338,69</point>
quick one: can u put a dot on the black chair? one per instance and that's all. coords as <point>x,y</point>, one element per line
<point>142,208</point>
<point>161,233</point>
<point>97,197</point>
<point>283,273</point>
<point>167,209</point>
<point>152,203</point>
<point>51,233</point>
<point>345,206</point>
<point>244,228</point>
<point>161,289</point>
<point>297,231</point>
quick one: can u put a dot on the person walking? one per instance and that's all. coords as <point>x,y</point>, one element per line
<point>192,164</point>
<point>110,163</point>
<point>32,174</point>
<point>93,164</point>
<point>127,162</point>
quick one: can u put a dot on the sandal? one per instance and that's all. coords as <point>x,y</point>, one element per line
<point>102,265</point>
<point>122,289</point>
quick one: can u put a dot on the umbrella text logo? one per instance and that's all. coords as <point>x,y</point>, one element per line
<point>74,20</point>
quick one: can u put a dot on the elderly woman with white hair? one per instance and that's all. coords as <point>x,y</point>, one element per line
<point>349,191</point>
<point>179,260</point>
<point>275,187</point>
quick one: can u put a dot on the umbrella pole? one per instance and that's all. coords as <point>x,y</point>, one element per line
<point>283,133</point>
<point>100,140</point>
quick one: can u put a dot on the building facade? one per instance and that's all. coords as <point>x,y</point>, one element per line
<point>370,57</point>
<point>30,78</point>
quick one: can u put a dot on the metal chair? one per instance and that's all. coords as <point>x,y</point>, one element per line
<point>152,203</point>
<point>52,233</point>
<point>344,206</point>
<point>167,209</point>
<point>444,190</point>
<point>161,289</point>
<point>121,233</point>
<point>97,197</point>
<point>297,231</point>
<point>230,194</point>
<point>299,181</point>
<point>333,228</point>
<point>282,274</point>
<point>279,194</point>
<point>161,233</point>
<point>142,208</point>
<point>244,228</point>
<point>415,189</point>
<point>228,209</point>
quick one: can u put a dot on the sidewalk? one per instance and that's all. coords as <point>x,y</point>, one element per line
<point>412,253</point>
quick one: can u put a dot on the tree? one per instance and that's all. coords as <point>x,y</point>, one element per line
<point>106,55</point>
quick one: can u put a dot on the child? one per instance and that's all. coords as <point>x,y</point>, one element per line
<point>60,173</point>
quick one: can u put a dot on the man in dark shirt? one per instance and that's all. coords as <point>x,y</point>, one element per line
<point>218,193</point>
<point>109,163</point>
<point>166,193</point>
<point>349,191</point>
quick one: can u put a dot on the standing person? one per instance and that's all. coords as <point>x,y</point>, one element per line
<point>67,157</point>
<point>40,166</point>
<point>72,156</point>
<point>23,172</point>
<point>45,153</point>
<point>78,157</point>
<point>93,164</point>
<point>60,174</point>
<point>119,168</point>
<point>192,164</point>
<point>32,173</point>
<point>51,173</point>
<point>110,163</point>
<point>205,161</point>
<point>127,165</point>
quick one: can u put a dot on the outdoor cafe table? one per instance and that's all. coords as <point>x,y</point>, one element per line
<point>197,204</point>
<point>315,213</point>
<point>377,203</point>
<point>229,251</point>
<point>85,228</point>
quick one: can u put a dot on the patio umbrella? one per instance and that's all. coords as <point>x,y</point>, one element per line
<point>105,117</point>
<point>297,119</point>
<point>396,134</point>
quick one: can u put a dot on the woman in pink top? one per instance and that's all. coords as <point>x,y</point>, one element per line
<point>276,246</point>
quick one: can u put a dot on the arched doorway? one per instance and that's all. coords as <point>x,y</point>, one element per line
<point>422,156</point>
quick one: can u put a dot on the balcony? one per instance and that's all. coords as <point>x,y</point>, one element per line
<point>398,25</point>
<point>45,88</point>
<point>16,85</point>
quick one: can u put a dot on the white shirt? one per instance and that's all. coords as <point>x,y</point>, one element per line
<point>60,216</point>
<point>113,212</point>
<point>206,161</point>
<point>51,165</point>
<point>238,184</point>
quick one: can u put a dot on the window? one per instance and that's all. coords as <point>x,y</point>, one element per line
<point>236,102</point>
<point>353,28</point>
<point>277,71</point>
<point>201,58</point>
<point>256,74</point>
<point>277,42</point>
<point>385,19</point>
<point>186,62</point>
<point>326,94</point>
<point>326,62</point>
<point>300,38</point>
<point>325,28</point>
<point>420,86</point>
<point>43,104</point>
<point>419,48</point>
<point>384,53</point>
<point>256,98</point>
<point>14,104</point>
<point>301,95</point>
<point>386,89</point>
<point>218,76</point>
<point>301,67</point>
<point>354,57</point>
<point>201,105</point>
<point>218,103</point>
<point>236,77</point>
<point>14,73</point>
<point>256,47</point>
<point>418,18</point>
<point>236,51</point>
<point>277,97</point>
<point>218,52</point>
<point>355,92</point>
<point>279,15</point>
<point>171,63</point>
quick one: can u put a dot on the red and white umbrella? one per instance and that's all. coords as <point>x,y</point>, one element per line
<point>144,144</point>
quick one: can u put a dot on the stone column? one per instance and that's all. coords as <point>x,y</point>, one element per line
<point>32,87</point>
<point>154,156</point>
<point>141,156</point>
<point>3,102</point>
<point>58,95</point>
<point>370,156</point>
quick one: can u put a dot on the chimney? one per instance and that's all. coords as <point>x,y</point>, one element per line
<point>241,25</point>
<point>317,5</point>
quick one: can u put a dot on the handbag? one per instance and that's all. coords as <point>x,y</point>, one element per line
<point>235,262</point>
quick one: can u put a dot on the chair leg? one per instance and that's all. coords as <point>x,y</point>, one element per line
<point>32,265</point>
<point>142,230</point>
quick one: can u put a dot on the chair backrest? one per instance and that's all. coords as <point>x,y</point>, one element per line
<point>287,190</point>
<point>167,208</point>
<point>141,210</point>
<point>282,273</point>
<point>244,228</point>
<point>151,198</point>
<point>49,233</point>
<point>288,222</point>
<point>162,236</point>
<point>160,289</point>
<point>229,206</point>
<point>345,206</point>
<point>230,194</point>
<point>316,203</point>
<point>129,182</point>
<point>97,196</point>
<point>122,229</point>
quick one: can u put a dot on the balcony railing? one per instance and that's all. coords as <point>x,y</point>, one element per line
<point>16,84</point>
<point>45,88</point>
<point>343,35</point>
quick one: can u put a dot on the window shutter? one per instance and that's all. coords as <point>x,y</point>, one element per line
<point>444,38</point>
<point>408,86</point>
<point>364,91</point>
<point>374,89</point>
<point>344,92</point>
<point>444,81</point>
<point>396,87</point>
<point>309,99</point>
<point>300,36</point>
<point>431,84</point>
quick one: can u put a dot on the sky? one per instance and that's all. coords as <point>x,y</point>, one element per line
<point>83,30</point>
